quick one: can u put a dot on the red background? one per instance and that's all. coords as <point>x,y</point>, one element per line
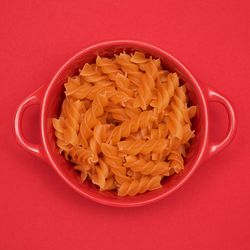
<point>39,211</point>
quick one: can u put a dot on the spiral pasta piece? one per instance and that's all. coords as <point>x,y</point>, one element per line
<point>152,68</point>
<point>120,113</point>
<point>189,113</point>
<point>130,126</point>
<point>176,118</point>
<point>160,133</point>
<point>134,147</point>
<point>176,162</point>
<point>90,73</point>
<point>112,159</point>
<point>71,111</point>
<point>138,58</point>
<point>100,133</point>
<point>108,67</point>
<point>109,184</point>
<point>58,124</point>
<point>90,118</point>
<point>165,91</point>
<point>124,60</point>
<point>102,172</point>
<point>86,90</point>
<point>148,167</point>
<point>122,83</point>
<point>145,92</point>
<point>80,155</point>
<point>139,186</point>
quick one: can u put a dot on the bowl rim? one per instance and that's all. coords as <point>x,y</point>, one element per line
<point>122,202</point>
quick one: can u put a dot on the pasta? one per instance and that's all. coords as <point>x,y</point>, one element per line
<point>125,123</point>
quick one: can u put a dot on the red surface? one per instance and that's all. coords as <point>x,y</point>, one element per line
<point>38,211</point>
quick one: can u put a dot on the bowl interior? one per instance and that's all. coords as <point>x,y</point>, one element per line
<point>52,107</point>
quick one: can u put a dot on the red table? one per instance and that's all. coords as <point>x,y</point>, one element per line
<point>39,211</point>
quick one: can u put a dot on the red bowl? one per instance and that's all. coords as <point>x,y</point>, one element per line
<point>50,98</point>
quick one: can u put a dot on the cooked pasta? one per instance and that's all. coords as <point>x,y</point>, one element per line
<point>125,123</point>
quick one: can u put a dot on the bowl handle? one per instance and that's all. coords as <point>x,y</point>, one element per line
<point>215,148</point>
<point>34,98</point>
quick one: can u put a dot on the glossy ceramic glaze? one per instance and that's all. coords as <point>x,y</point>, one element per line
<point>50,98</point>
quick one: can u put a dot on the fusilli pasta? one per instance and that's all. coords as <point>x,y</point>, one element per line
<point>125,123</point>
